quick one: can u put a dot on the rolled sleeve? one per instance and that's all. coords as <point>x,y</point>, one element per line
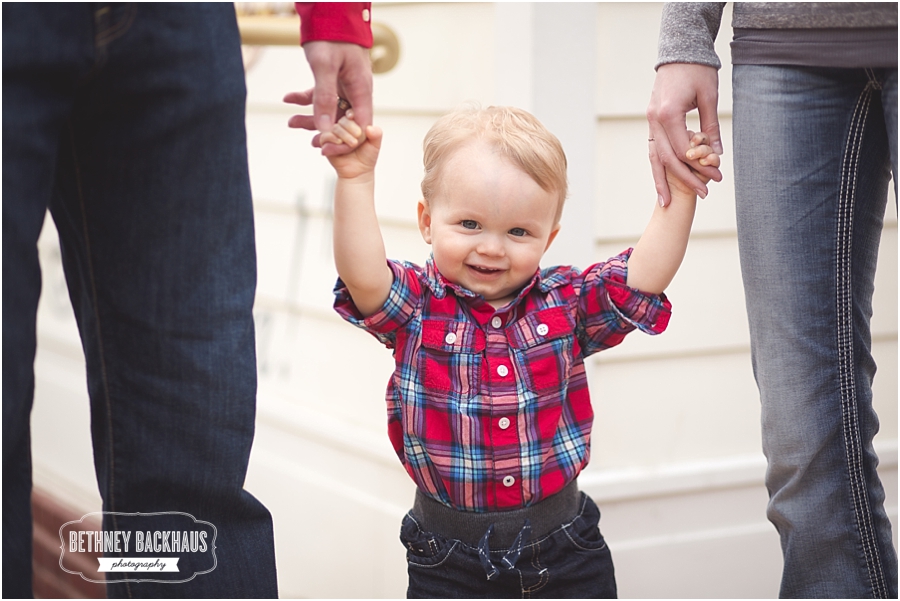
<point>400,306</point>
<point>610,309</point>
<point>335,22</point>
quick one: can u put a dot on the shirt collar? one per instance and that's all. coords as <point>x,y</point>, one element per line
<point>545,279</point>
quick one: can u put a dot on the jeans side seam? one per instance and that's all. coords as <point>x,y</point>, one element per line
<point>846,363</point>
<point>110,494</point>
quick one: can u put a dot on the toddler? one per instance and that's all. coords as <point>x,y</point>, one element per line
<point>488,407</point>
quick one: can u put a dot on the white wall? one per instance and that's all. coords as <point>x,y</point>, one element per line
<point>676,466</point>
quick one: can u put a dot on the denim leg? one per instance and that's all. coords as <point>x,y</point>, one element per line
<point>44,54</point>
<point>812,166</point>
<point>152,203</point>
<point>889,104</point>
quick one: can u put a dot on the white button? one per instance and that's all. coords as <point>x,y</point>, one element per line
<point>509,481</point>
<point>503,423</point>
<point>450,338</point>
<point>502,371</point>
<point>542,329</point>
<point>496,322</point>
<point>366,15</point>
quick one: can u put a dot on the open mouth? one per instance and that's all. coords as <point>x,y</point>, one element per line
<point>484,270</point>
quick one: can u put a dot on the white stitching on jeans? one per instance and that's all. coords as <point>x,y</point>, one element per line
<point>850,418</point>
<point>544,573</point>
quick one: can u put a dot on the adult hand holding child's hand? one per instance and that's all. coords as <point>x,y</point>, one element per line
<point>362,146</point>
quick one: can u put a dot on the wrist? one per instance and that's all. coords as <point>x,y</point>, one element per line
<point>366,178</point>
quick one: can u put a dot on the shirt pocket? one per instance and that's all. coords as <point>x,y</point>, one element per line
<point>542,344</point>
<point>451,358</point>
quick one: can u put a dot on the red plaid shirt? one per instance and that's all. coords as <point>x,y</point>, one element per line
<point>489,409</point>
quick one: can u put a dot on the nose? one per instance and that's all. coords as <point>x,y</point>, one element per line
<point>490,246</point>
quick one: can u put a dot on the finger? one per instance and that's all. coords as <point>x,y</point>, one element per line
<point>709,172</point>
<point>711,160</point>
<point>699,139</point>
<point>345,136</point>
<point>330,150</point>
<point>356,84</point>
<point>698,152</point>
<point>325,99</point>
<point>302,122</point>
<point>348,124</point>
<point>304,98</point>
<point>673,159</point>
<point>330,137</point>
<point>374,135</point>
<point>663,197</point>
<point>707,107</point>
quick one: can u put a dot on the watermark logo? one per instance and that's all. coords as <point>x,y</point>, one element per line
<point>168,546</point>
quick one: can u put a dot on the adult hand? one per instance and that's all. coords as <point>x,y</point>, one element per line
<point>340,69</point>
<point>679,88</point>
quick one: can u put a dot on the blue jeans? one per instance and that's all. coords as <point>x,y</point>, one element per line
<point>814,150</point>
<point>127,122</point>
<point>571,562</point>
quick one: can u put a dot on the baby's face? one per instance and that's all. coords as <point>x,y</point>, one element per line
<point>489,223</point>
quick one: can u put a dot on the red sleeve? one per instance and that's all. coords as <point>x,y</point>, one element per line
<point>336,22</point>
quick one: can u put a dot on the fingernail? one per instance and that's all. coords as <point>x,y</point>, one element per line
<point>717,146</point>
<point>701,193</point>
<point>661,200</point>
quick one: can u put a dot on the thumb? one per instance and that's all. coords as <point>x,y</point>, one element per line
<point>325,98</point>
<point>374,135</point>
<point>709,120</point>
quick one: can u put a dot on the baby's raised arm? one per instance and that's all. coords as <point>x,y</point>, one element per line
<point>358,247</point>
<point>658,254</point>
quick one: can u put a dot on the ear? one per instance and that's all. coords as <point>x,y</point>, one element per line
<point>424,220</point>
<point>552,236</point>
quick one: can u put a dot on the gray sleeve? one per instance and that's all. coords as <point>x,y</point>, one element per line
<point>687,33</point>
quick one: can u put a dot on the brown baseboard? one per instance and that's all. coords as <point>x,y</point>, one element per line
<point>50,580</point>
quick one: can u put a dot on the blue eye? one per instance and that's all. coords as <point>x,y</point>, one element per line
<point>469,224</point>
<point>517,231</point>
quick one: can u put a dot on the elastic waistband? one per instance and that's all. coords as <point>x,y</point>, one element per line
<point>468,527</point>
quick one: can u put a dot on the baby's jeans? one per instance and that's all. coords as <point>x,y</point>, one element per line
<point>550,550</point>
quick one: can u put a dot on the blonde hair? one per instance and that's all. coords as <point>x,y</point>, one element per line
<point>517,134</point>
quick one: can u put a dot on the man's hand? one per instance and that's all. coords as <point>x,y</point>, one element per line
<point>340,70</point>
<point>679,88</point>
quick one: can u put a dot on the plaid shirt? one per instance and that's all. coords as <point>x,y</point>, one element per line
<point>489,409</point>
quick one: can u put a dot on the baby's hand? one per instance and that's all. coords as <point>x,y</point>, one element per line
<point>367,143</point>
<point>700,149</point>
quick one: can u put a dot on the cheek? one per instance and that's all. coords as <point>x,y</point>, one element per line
<point>447,251</point>
<point>528,257</point>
